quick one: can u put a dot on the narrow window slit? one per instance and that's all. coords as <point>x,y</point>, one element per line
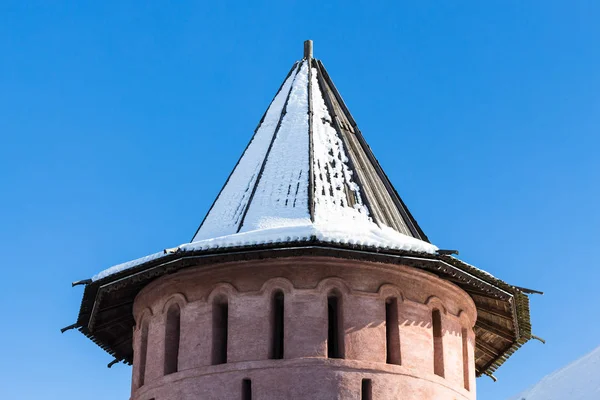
<point>143,354</point>
<point>246,389</point>
<point>366,390</point>
<point>392,333</point>
<point>220,319</point>
<point>335,337</point>
<point>172,332</point>
<point>277,327</point>
<point>438,344</point>
<point>465,351</point>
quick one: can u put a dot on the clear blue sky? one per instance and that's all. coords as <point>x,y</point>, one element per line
<point>120,121</point>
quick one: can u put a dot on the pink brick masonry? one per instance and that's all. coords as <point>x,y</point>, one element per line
<point>305,372</point>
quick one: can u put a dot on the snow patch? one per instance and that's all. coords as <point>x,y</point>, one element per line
<point>127,265</point>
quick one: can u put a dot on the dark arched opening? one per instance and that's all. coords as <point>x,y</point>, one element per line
<point>219,328</point>
<point>143,353</point>
<point>172,333</point>
<point>335,326</point>
<point>392,332</point>
<point>438,344</point>
<point>277,325</point>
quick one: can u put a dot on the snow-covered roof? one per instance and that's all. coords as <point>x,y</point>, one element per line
<point>307,164</point>
<point>307,173</point>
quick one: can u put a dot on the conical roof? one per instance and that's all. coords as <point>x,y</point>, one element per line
<point>307,184</point>
<point>308,172</point>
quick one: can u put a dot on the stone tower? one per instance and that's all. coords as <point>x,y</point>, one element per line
<point>308,279</point>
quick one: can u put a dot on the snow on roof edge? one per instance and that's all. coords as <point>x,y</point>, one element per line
<point>356,234</point>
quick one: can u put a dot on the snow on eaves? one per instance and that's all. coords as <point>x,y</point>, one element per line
<point>353,234</point>
<point>127,265</point>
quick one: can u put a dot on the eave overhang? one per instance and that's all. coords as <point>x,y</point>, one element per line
<point>503,325</point>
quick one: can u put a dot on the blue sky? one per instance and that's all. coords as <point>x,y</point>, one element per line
<point>120,121</point>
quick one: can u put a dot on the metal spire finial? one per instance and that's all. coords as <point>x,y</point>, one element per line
<point>308,49</point>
